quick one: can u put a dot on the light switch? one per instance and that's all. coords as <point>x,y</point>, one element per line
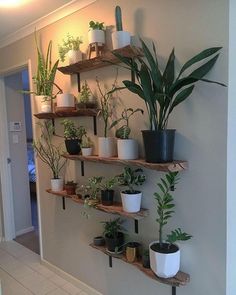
<point>15,138</point>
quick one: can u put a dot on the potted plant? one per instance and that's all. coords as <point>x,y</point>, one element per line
<point>70,187</point>
<point>113,234</point>
<point>131,198</point>
<point>165,255</point>
<point>106,145</point>
<point>146,258</point>
<point>50,154</point>
<point>65,101</point>
<point>73,136</point>
<point>86,146</point>
<point>70,47</point>
<point>132,251</point>
<point>84,97</point>
<point>107,192</point>
<point>127,148</point>
<point>162,92</point>
<point>96,32</point>
<point>120,38</point>
<point>92,190</point>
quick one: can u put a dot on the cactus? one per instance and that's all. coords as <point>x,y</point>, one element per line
<point>118,16</point>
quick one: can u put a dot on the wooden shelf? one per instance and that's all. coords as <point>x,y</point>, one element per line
<point>180,279</point>
<point>74,113</point>
<point>101,61</point>
<point>115,209</point>
<point>164,167</point>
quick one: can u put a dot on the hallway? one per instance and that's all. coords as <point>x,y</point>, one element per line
<point>22,273</point>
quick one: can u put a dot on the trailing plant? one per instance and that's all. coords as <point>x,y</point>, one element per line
<point>124,131</point>
<point>165,209</point>
<point>85,93</point>
<point>49,153</point>
<point>112,228</point>
<point>71,131</point>
<point>130,178</point>
<point>118,16</point>
<point>163,91</point>
<point>106,103</point>
<point>93,187</point>
<point>96,25</point>
<point>69,43</point>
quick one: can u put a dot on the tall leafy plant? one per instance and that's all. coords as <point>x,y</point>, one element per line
<point>162,91</point>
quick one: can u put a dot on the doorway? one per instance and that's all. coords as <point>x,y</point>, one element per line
<point>19,122</point>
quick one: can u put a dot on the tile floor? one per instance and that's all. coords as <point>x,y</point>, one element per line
<point>21,273</point>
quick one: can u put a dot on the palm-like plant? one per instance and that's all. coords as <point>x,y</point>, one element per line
<point>163,91</point>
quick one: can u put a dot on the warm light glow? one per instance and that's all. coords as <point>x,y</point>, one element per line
<point>12,3</point>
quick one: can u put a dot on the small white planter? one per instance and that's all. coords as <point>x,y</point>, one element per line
<point>127,149</point>
<point>57,184</point>
<point>120,39</point>
<point>106,147</point>
<point>65,100</point>
<point>164,265</point>
<point>87,151</point>
<point>46,103</point>
<point>96,36</point>
<point>131,202</point>
<point>74,56</point>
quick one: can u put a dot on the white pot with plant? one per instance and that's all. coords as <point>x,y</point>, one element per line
<point>50,154</point>
<point>131,198</point>
<point>86,146</point>
<point>70,47</point>
<point>120,38</point>
<point>127,147</point>
<point>96,32</point>
<point>165,255</point>
<point>106,145</point>
<point>85,98</point>
<point>65,100</point>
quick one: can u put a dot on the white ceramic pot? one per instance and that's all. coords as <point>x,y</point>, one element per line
<point>87,151</point>
<point>106,147</point>
<point>131,202</point>
<point>164,265</point>
<point>127,149</point>
<point>96,36</point>
<point>46,103</point>
<point>65,100</point>
<point>120,39</point>
<point>57,184</point>
<point>74,56</point>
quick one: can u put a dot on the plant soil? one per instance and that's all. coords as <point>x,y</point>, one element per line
<point>165,249</point>
<point>131,192</point>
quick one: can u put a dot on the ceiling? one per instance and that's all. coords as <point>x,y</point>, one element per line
<point>13,19</point>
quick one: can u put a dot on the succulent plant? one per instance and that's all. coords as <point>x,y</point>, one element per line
<point>118,16</point>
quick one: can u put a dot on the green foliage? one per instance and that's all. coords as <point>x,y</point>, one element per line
<point>112,228</point>
<point>165,208</point>
<point>109,183</point>
<point>49,153</point>
<point>163,91</point>
<point>93,187</point>
<point>131,177</point>
<point>85,93</point>
<point>118,16</point>
<point>71,131</point>
<point>96,25</point>
<point>86,142</point>
<point>69,43</point>
<point>124,131</point>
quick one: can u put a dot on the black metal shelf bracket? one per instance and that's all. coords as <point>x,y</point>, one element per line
<point>95,125</point>
<point>78,82</point>
<point>63,203</point>
<point>136,226</point>
<point>110,260</point>
<point>173,290</point>
<point>82,168</point>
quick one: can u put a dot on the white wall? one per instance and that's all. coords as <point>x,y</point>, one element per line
<point>18,153</point>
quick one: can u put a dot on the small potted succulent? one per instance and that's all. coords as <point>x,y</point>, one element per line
<point>85,99</point>
<point>70,47</point>
<point>120,38</point>
<point>73,136</point>
<point>127,148</point>
<point>70,187</point>
<point>86,146</point>
<point>131,198</point>
<point>96,32</point>
<point>113,234</point>
<point>107,192</point>
<point>50,154</point>
<point>165,255</point>
<point>106,145</point>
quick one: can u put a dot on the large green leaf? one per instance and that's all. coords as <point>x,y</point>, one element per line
<point>169,72</point>
<point>135,88</point>
<point>200,56</point>
<point>184,94</point>
<point>204,69</point>
<point>146,82</point>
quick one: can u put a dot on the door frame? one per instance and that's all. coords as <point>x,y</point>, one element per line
<point>8,226</point>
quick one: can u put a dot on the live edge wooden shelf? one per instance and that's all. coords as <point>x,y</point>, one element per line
<point>180,279</point>
<point>114,209</point>
<point>164,167</point>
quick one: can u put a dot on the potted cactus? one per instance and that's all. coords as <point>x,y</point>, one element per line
<point>165,255</point>
<point>120,38</point>
<point>96,32</point>
<point>127,147</point>
<point>86,145</point>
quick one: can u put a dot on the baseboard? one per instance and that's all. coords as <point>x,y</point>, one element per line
<point>70,278</point>
<point>24,231</point>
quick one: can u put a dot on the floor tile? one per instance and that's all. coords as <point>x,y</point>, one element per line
<point>58,292</point>
<point>57,280</point>
<point>71,289</point>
